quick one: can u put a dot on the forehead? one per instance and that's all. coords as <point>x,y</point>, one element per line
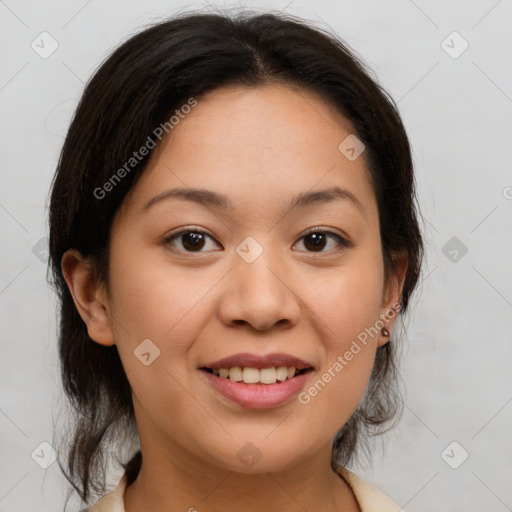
<point>257,146</point>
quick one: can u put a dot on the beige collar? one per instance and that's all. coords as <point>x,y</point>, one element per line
<point>369,497</point>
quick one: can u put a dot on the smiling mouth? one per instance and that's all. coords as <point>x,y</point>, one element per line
<point>249,375</point>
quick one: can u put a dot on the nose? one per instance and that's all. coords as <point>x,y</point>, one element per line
<point>260,294</point>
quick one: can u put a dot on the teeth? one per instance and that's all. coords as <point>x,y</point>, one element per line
<point>253,375</point>
<point>282,372</point>
<point>236,373</point>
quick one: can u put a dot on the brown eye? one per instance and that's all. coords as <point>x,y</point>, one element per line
<point>192,240</point>
<point>318,239</point>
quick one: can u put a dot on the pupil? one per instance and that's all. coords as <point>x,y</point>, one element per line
<point>318,240</point>
<point>195,239</point>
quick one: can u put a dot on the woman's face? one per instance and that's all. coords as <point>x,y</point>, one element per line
<point>254,283</point>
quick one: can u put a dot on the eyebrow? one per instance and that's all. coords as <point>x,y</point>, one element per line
<point>209,198</point>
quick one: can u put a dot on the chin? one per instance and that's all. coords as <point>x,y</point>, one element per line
<point>253,457</point>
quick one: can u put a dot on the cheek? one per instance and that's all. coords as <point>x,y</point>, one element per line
<point>344,309</point>
<point>153,298</point>
<point>163,304</point>
<point>347,300</point>
<point>332,396</point>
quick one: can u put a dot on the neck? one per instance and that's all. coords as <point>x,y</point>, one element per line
<point>176,479</point>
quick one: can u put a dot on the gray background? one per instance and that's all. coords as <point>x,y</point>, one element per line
<point>457,108</point>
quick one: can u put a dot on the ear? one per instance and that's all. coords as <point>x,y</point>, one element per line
<point>89,295</point>
<point>392,295</point>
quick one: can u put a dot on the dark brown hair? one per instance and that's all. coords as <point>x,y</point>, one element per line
<point>134,91</point>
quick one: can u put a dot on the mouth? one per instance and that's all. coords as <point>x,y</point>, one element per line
<point>253,388</point>
<point>250,375</point>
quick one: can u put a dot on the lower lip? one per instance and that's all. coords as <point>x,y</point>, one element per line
<point>258,396</point>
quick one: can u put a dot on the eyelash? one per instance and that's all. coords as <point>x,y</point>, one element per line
<point>343,243</point>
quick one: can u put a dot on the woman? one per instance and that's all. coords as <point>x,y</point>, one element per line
<point>233,234</point>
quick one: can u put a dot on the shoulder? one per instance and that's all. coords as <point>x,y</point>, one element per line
<point>111,502</point>
<point>370,497</point>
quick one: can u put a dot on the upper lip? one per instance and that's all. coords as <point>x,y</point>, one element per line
<point>256,361</point>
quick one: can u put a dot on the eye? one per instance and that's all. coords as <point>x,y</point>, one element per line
<point>316,239</point>
<point>191,240</point>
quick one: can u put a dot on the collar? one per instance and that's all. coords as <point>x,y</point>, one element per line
<point>370,498</point>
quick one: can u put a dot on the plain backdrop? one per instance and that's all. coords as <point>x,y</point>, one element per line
<point>448,66</point>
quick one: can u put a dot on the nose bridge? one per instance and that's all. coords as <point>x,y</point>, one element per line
<point>258,293</point>
<point>260,262</point>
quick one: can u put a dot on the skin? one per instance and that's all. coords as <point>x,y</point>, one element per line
<point>258,146</point>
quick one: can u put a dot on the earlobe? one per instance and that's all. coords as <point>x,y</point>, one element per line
<point>89,296</point>
<point>393,295</point>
